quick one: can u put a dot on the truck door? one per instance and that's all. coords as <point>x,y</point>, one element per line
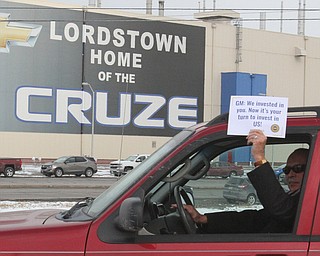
<point>106,238</point>
<point>315,237</point>
<point>311,205</point>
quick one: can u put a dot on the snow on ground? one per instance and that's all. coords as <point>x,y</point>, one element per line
<point>34,171</point>
<point>8,206</point>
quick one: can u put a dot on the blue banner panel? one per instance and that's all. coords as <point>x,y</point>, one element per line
<point>240,83</point>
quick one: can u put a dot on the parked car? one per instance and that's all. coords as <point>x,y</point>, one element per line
<point>8,166</point>
<point>224,169</point>
<point>76,165</point>
<point>122,167</point>
<point>280,174</point>
<point>240,189</point>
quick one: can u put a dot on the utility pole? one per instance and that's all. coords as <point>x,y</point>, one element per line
<point>281,17</point>
<point>94,3</point>
<point>301,17</point>
<point>92,115</point>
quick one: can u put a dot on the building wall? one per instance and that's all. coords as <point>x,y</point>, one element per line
<point>262,52</point>
<point>272,54</point>
<point>47,109</point>
<point>44,145</point>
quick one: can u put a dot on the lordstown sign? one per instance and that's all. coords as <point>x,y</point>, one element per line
<point>146,76</point>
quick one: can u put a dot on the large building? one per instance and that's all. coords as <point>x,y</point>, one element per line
<point>141,78</point>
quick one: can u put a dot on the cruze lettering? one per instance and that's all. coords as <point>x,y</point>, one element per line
<point>124,112</point>
<point>181,111</point>
<point>24,96</point>
<point>75,109</point>
<point>155,103</point>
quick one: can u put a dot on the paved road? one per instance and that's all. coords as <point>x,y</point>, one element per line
<point>73,188</point>
<point>43,188</point>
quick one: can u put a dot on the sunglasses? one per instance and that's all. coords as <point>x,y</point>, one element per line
<point>296,168</point>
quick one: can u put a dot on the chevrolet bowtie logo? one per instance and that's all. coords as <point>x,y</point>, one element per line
<point>17,33</point>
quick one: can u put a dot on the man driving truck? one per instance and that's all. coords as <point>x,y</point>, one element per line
<point>280,207</point>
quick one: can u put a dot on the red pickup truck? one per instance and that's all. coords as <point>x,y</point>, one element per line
<point>134,217</point>
<point>8,166</point>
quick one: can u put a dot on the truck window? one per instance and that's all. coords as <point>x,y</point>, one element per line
<point>226,190</point>
<point>232,191</point>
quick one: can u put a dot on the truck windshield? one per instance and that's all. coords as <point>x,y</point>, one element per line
<point>131,158</point>
<point>117,189</point>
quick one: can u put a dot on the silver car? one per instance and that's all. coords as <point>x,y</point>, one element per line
<point>240,189</point>
<point>76,165</point>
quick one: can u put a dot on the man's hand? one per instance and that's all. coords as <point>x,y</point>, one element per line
<point>195,215</point>
<point>258,140</point>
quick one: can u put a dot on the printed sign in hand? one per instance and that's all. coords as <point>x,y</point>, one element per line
<point>268,114</point>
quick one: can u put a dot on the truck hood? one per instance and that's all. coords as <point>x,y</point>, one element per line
<point>39,231</point>
<point>121,162</point>
<point>25,218</point>
<point>48,163</point>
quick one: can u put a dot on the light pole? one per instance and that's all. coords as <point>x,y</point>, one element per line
<point>92,116</point>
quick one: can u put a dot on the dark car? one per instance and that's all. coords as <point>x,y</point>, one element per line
<point>224,169</point>
<point>76,165</point>
<point>240,189</point>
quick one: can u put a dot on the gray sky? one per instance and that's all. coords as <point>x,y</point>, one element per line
<point>184,9</point>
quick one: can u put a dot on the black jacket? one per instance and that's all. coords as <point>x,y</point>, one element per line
<point>277,216</point>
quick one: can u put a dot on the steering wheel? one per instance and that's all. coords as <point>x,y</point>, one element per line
<point>188,223</point>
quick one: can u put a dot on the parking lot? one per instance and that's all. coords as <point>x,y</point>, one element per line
<point>29,189</point>
<point>30,184</point>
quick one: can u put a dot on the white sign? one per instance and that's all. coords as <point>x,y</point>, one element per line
<point>268,114</point>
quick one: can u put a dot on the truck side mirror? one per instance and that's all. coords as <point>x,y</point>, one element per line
<point>131,215</point>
